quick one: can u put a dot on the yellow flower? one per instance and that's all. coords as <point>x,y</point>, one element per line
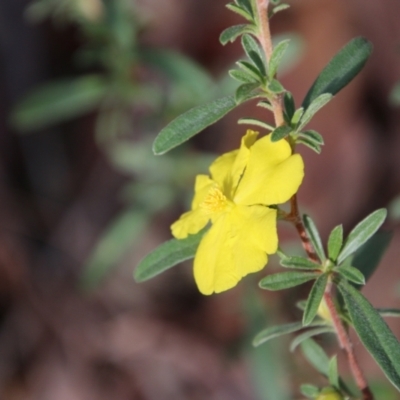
<point>236,199</point>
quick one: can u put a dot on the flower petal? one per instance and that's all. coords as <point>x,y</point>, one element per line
<point>201,187</point>
<point>236,245</point>
<point>272,175</point>
<point>189,223</point>
<point>227,169</point>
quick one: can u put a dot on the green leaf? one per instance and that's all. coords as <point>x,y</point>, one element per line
<point>351,274</point>
<point>242,76</point>
<point>276,9</point>
<point>58,102</point>
<point>240,11</point>
<point>276,57</point>
<point>290,106</point>
<point>166,256</point>
<point>179,69</point>
<point>316,356</point>
<point>314,299</point>
<point>309,143</point>
<point>275,87</point>
<point>247,91</point>
<point>246,5</point>
<point>276,331</point>
<point>335,242</point>
<point>388,312</point>
<point>313,234</point>
<point>367,258</point>
<point>299,263</point>
<point>251,69</point>
<point>297,116</point>
<point>373,331</point>
<point>256,122</point>
<point>192,122</point>
<point>309,391</point>
<point>340,71</point>
<point>254,53</point>
<point>233,32</point>
<point>284,280</point>
<point>313,136</point>
<point>333,373</point>
<point>362,232</point>
<point>117,239</point>
<point>280,132</point>
<point>309,334</point>
<point>265,104</point>
<point>313,108</point>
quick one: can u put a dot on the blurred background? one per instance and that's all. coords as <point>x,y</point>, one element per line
<point>85,85</point>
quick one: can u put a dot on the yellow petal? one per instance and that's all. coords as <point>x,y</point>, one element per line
<point>189,223</point>
<point>236,245</point>
<point>227,169</point>
<point>272,175</point>
<point>201,187</point>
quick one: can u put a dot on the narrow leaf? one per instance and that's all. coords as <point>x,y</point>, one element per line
<point>309,334</point>
<point>296,116</point>
<point>290,106</point>
<point>276,331</point>
<point>242,76</point>
<point>192,122</point>
<point>276,9</point>
<point>320,360</point>
<point>335,242</point>
<point>362,232</point>
<point>373,331</point>
<point>388,312</point>
<point>368,257</point>
<point>284,280</point>
<point>246,5</point>
<point>275,87</point>
<point>316,356</point>
<point>253,51</point>
<point>309,391</point>
<point>166,256</point>
<point>276,57</point>
<point>314,299</point>
<point>309,143</point>
<point>333,373</point>
<point>256,122</point>
<point>313,108</point>
<point>251,69</point>
<point>300,263</point>
<point>351,274</point>
<point>313,234</point>
<point>247,91</point>
<point>265,104</point>
<point>312,135</point>
<point>240,11</point>
<point>280,132</point>
<point>58,102</point>
<point>111,246</point>
<point>340,71</point>
<point>233,32</point>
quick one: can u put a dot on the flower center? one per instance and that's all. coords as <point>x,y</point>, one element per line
<point>215,201</point>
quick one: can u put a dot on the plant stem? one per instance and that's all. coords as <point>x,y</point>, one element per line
<point>265,39</point>
<point>342,334</point>
<point>294,217</point>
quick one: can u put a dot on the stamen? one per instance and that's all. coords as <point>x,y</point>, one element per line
<point>215,201</point>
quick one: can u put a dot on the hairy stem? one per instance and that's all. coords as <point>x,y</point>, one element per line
<point>265,39</point>
<point>294,217</point>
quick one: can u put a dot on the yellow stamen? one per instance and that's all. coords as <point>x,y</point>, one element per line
<point>215,201</point>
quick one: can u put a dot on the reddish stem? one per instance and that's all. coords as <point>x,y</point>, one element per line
<point>294,217</point>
